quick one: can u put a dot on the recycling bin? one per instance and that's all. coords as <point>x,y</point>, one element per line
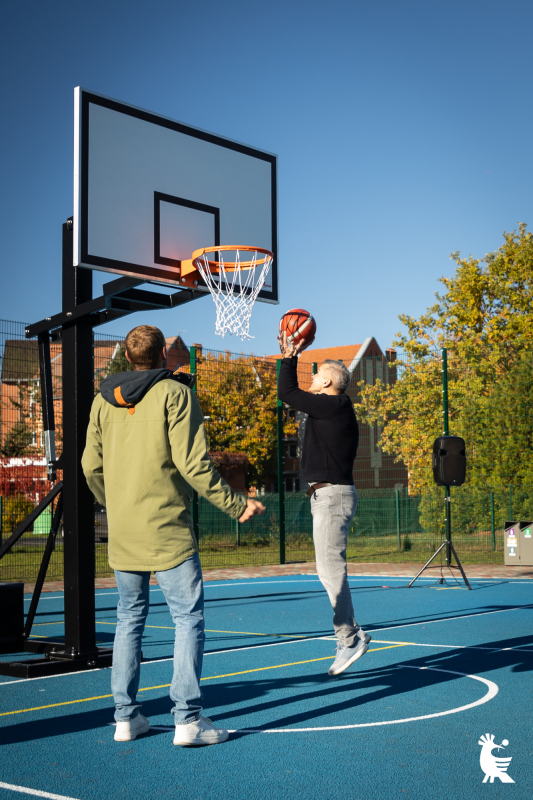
<point>518,543</point>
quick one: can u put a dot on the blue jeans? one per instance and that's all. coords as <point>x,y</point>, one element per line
<point>183,589</point>
<point>333,508</point>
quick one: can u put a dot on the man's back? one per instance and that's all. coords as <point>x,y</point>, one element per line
<point>148,458</point>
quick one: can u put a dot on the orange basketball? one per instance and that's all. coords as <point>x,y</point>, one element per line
<point>299,325</point>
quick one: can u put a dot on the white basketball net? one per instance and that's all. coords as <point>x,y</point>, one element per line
<point>234,291</point>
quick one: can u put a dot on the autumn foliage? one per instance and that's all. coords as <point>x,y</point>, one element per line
<point>238,397</point>
<point>485,320</point>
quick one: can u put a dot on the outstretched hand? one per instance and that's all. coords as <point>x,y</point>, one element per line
<point>253,507</point>
<point>289,349</point>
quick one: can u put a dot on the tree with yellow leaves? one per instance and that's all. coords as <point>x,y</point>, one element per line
<point>238,398</point>
<point>485,320</point>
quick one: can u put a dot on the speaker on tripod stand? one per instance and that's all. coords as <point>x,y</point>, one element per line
<point>449,461</point>
<point>449,469</point>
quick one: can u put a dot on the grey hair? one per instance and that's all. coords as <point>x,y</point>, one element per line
<point>339,374</point>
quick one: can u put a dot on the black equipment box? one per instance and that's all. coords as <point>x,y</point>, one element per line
<point>11,617</point>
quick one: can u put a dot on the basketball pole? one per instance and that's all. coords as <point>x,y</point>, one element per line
<point>74,327</point>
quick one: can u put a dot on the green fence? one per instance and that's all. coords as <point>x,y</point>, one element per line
<point>388,527</point>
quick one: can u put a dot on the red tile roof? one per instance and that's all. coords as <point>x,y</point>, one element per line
<point>345,353</point>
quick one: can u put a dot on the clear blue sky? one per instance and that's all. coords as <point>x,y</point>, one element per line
<point>403,130</point>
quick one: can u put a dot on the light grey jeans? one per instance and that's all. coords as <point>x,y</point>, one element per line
<point>333,508</point>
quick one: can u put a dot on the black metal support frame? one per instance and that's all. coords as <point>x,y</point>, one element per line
<point>75,503</point>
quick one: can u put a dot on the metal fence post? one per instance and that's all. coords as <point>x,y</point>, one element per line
<point>281,483</point>
<point>492,525</point>
<point>397,492</point>
<point>194,508</point>
<point>446,432</point>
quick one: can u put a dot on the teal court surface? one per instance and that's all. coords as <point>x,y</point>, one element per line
<point>445,667</point>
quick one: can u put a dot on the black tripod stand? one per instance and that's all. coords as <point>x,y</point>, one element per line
<point>446,544</point>
<point>449,469</point>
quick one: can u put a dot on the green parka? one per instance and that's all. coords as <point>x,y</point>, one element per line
<point>146,448</point>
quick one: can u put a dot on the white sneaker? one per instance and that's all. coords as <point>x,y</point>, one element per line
<point>346,656</point>
<point>200,732</point>
<point>129,729</point>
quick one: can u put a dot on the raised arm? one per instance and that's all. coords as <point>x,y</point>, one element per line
<point>316,405</point>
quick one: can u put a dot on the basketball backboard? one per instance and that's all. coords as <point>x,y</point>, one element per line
<point>148,191</point>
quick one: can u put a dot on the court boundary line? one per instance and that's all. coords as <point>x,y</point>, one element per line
<point>167,685</point>
<point>277,644</point>
<point>493,690</point>
<point>367,576</point>
<point>35,792</point>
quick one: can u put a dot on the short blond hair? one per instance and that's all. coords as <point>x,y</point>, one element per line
<point>339,374</point>
<point>144,345</point>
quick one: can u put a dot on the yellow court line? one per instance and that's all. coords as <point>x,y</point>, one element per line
<point>164,627</point>
<point>449,588</point>
<point>166,685</point>
<point>248,633</point>
<point>293,664</point>
<point>209,630</point>
<point>37,624</point>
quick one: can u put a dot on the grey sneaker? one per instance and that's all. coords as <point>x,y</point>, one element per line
<point>198,733</point>
<point>129,729</point>
<point>347,655</point>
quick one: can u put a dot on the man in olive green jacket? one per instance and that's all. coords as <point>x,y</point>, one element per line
<point>146,448</point>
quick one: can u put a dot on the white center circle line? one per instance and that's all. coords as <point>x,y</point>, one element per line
<point>490,694</point>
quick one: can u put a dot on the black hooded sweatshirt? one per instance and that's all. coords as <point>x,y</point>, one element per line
<point>126,389</point>
<point>331,431</point>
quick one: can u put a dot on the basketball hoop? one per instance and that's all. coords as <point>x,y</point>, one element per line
<point>234,285</point>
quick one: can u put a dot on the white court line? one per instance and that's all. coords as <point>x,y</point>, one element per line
<point>34,792</point>
<point>447,619</point>
<point>229,584</point>
<point>492,692</point>
<point>278,644</point>
<point>171,658</point>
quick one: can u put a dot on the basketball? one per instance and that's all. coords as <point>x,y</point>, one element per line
<point>299,325</point>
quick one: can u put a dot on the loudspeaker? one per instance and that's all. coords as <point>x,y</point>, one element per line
<point>449,461</point>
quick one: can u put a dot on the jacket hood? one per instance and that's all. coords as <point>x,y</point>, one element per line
<point>126,389</point>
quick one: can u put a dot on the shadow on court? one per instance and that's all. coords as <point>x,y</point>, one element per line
<point>266,694</point>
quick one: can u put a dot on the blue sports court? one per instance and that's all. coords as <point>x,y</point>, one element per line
<point>445,667</point>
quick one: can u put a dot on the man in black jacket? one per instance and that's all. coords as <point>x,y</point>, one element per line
<point>329,449</point>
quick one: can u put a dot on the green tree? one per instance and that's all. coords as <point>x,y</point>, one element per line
<point>116,364</point>
<point>19,437</point>
<point>485,320</point>
<point>238,397</point>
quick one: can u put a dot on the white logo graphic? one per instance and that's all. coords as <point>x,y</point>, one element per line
<point>493,767</point>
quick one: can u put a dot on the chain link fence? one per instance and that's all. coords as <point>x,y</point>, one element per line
<point>398,400</point>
